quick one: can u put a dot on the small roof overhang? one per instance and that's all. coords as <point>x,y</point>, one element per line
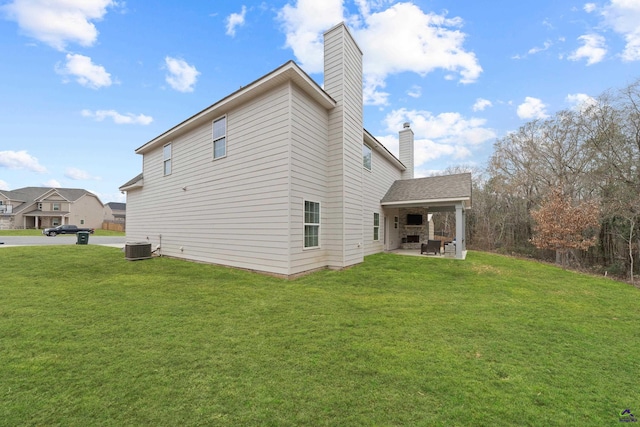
<point>132,184</point>
<point>46,213</point>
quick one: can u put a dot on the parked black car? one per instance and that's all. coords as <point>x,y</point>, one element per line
<point>65,229</point>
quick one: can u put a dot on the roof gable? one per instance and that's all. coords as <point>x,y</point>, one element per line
<point>290,71</point>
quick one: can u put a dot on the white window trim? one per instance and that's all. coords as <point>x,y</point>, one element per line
<point>305,224</point>
<point>169,159</point>
<point>376,227</point>
<point>213,139</point>
<point>371,158</point>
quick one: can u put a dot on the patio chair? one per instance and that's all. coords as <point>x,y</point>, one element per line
<point>430,246</point>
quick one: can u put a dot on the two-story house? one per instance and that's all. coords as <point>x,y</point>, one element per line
<point>281,177</point>
<point>42,207</point>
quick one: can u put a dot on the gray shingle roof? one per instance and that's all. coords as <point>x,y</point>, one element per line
<point>444,187</point>
<point>29,195</point>
<point>132,181</point>
<point>117,206</point>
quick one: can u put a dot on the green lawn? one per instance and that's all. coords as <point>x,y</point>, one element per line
<point>88,338</point>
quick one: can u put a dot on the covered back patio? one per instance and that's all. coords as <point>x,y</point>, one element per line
<point>409,207</point>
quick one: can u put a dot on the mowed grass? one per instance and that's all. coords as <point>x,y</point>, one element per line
<point>88,338</point>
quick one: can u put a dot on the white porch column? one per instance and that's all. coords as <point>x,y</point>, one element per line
<point>460,231</point>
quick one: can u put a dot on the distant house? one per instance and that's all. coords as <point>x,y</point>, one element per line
<point>115,212</point>
<point>42,207</point>
<point>281,177</point>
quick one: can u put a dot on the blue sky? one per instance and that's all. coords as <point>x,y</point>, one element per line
<point>83,83</point>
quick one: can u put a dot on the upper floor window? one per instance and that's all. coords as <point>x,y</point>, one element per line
<point>366,156</point>
<point>166,157</point>
<point>220,137</point>
<point>39,206</point>
<point>56,206</point>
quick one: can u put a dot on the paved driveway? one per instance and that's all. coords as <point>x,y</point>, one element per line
<point>9,241</point>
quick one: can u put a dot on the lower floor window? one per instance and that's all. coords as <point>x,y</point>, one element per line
<point>376,226</point>
<point>311,224</point>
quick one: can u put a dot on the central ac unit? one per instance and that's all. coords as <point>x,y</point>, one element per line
<point>139,250</point>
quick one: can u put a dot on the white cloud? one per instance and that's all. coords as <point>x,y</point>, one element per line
<point>481,104</point>
<point>235,20</point>
<point>415,91</point>
<point>445,134</point>
<point>85,71</point>
<point>59,22</point>
<point>4,185</point>
<point>594,49</point>
<point>79,175</point>
<point>52,183</point>
<point>304,25</point>
<point>537,49</point>
<point>580,101</point>
<point>119,119</point>
<point>623,17</point>
<point>20,160</point>
<point>401,38</point>
<point>532,108</point>
<point>589,7</point>
<point>182,76</point>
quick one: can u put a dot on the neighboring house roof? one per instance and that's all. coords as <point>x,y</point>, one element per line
<point>289,71</point>
<point>116,206</point>
<point>30,195</point>
<point>433,189</point>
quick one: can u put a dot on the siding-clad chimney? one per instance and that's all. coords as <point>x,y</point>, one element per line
<point>343,213</point>
<point>406,150</point>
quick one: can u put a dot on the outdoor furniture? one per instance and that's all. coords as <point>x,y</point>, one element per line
<point>430,246</point>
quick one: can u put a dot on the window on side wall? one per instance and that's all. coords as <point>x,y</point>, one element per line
<point>311,224</point>
<point>166,157</point>
<point>366,156</point>
<point>395,222</point>
<point>376,226</point>
<point>220,138</point>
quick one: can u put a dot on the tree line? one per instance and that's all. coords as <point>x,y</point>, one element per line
<point>566,187</point>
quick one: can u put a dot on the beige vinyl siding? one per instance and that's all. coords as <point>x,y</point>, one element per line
<point>309,129</point>
<point>376,183</point>
<point>88,209</point>
<point>232,211</point>
<point>343,81</point>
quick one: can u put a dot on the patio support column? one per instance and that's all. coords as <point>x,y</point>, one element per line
<point>460,231</point>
